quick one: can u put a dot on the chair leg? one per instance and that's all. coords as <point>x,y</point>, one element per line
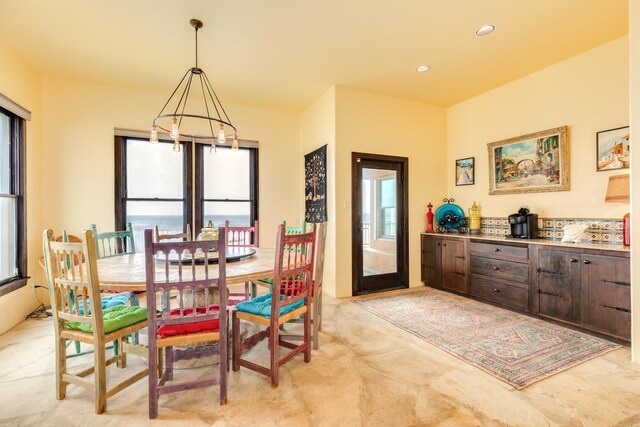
<point>116,352</point>
<point>154,372</point>
<point>319,301</point>
<point>135,301</point>
<point>100,377</point>
<point>247,291</point>
<point>77,345</point>
<point>122,361</point>
<point>169,362</point>
<point>274,350</point>
<point>315,323</point>
<point>224,359</point>
<point>254,290</point>
<point>237,345</point>
<point>307,332</point>
<point>61,368</point>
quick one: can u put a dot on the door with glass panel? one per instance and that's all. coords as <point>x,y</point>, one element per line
<point>379,223</point>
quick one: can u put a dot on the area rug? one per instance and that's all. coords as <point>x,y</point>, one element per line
<point>515,348</point>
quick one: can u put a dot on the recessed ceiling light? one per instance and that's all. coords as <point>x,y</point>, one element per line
<point>485,30</point>
<point>423,68</point>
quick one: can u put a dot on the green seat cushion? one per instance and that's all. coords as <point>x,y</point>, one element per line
<point>117,317</point>
<point>269,281</point>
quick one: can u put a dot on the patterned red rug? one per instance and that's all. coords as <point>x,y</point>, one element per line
<point>515,348</point>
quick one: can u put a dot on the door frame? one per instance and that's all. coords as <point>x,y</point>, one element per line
<point>356,237</point>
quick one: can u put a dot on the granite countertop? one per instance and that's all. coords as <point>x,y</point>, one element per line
<point>550,242</point>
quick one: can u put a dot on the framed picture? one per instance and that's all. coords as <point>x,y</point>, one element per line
<point>315,185</point>
<point>465,171</point>
<point>612,149</point>
<point>533,163</point>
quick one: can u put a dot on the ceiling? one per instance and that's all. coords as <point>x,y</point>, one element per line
<point>283,54</point>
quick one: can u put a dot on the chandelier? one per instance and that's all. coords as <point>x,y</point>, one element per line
<point>174,114</point>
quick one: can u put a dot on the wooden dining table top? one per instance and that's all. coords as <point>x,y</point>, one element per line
<point>127,272</point>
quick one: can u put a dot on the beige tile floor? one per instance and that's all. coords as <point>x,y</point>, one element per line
<point>366,372</point>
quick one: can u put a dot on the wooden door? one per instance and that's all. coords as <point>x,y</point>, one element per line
<point>606,288</point>
<point>453,271</point>
<point>380,209</point>
<point>559,284</point>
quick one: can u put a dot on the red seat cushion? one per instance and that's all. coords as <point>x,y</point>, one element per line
<point>165,331</point>
<point>287,289</point>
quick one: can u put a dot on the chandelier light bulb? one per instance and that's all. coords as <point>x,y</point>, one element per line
<point>221,136</point>
<point>154,135</point>
<point>174,129</point>
<point>213,150</point>
<point>234,145</point>
<point>176,146</point>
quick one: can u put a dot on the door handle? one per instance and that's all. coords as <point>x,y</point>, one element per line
<point>496,249</point>
<point>586,261</point>
<point>573,260</point>
<point>496,268</point>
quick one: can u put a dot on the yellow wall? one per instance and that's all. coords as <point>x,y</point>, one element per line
<point>371,123</point>
<point>634,94</point>
<point>21,84</point>
<point>79,124</point>
<point>317,128</point>
<point>588,92</point>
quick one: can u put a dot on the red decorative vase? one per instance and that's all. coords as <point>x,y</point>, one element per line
<point>429,219</point>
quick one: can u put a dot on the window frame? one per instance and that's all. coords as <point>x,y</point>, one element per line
<point>199,187</point>
<point>121,196</point>
<point>17,153</point>
<point>380,223</point>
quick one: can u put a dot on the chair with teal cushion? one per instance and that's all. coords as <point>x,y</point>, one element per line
<point>293,268</point>
<point>72,269</point>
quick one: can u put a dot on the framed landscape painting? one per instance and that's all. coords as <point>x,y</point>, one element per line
<point>465,171</point>
<point>612,149</point>
<point>533,163</point>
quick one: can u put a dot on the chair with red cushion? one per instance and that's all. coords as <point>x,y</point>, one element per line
<point>184,269</point>
<point>316,289</point>
<point>242,237</point>
<point>293,267</point>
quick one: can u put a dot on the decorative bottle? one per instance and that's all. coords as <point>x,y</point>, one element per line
<point>429,219</point>
<point>474,219</point>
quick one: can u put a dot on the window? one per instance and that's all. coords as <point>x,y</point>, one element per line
<point>154,186</point>
<point>387,203</point>
<point>13,250</point>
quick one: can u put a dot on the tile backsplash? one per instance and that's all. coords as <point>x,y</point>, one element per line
<point>599,231</point>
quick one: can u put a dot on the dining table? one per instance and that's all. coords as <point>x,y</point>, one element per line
<point>127,273</point>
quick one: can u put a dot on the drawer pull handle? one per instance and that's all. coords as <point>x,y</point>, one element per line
<point>496,290</point>
<point>624,310</point>
<point>574,260</point>
<point>542,270</point>
<point>496,249</point>
<point>549,293</point>
<point>586,261</point>
<point>496,268</point>
<point>444,244</point>
<point>616,283</point>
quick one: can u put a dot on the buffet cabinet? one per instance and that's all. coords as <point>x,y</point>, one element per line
<point>588,288</point>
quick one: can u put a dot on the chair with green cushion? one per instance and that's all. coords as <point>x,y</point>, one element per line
<point>72,268</point>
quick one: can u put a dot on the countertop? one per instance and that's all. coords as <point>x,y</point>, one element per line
<point>547,242</point>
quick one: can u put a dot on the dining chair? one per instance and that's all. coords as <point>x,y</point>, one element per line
<point>295,230</point>
<point>242,237</point>
<point>316,289</point>
<point>72,268</point>
<point>160,236</point>
<point>188,325</point>
<point>293,270</point>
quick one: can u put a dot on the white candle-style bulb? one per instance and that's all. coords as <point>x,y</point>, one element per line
<point>174,129</point>
<point>234,145</point>
<point>221,137</point>
<point>176,146</point>
<point>213,151</point>
<point>154,135</point>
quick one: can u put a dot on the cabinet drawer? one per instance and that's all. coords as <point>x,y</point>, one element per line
<point>502,269</point>
<point>500,292</point>
<point>498,251</point>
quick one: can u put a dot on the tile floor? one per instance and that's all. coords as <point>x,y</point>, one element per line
<point>366,372</point>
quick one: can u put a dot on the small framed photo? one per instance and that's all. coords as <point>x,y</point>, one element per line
<point>465,171</point>
<point>612,149</point>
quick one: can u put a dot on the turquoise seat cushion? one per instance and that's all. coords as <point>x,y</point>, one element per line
<point>116,317</point>
<point>108,301</point>
<point>262,306</point>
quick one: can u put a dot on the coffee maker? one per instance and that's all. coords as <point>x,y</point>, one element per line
<point>524,225</point>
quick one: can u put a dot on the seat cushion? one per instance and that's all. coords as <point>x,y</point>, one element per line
<point>268,281</point>
<point>288,290</point>
<point>108,301</point>
<point>114,318</point>
<point>262,306</point>
<point>213,325</point>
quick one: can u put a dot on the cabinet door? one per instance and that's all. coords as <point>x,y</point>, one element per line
<point>431,261</point>
<point>606,289</point>
<point>453,275</point>
<point>559,284</point>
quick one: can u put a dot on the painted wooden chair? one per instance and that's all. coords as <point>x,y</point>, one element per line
<point>295,230</point>
<point>293,270</point>
<point>160,236</point>
<point>71,267</point>
<point>244,237</point>
<point>188,325</point>
<point>316,289</point>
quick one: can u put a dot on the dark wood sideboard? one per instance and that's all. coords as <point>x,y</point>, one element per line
<point>585,287</point>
